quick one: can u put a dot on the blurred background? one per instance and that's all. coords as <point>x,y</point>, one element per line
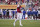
<point>30,11</point>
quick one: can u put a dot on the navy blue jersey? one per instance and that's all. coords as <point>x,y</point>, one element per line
<point>13,12</point>
<point>24,12</point>
<point>28,13</point>
<point>4,12</point>
<point>35,12</point>
<point>31,12</point>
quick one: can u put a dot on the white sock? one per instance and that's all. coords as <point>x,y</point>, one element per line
<point>20,22</point>
<point>15,21</point>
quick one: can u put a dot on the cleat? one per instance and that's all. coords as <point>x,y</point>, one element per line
<point>21,25</point>
<point>14,24</point>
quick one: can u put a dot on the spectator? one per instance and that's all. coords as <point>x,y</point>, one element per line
<point>7,13</point>
<point>10,14</point>
<point>13,12</point>
<point>16,2</point>
<point>36,7</point>
<point>28,12</point>
<point>8,2</point>
<point>21,2</point>
<point>27,1</point>
<point>35,14</point>
<point>0,14</point>
<point>37,1</point>
<point>39,13</point>
<point>31,4</point>
<point>24,12</point>
<point>4,14</point>
<point>16,14</point>
<point>0,1</point>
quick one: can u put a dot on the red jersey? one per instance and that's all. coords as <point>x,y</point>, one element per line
<point>19,9</point>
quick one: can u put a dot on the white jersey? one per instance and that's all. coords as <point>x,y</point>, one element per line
<point>10,14</point>
<point>0,11</point>
<point>33,10</point>
<point>38,12</point>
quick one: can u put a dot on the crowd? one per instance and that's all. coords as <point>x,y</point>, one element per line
<point>11,14</point>
<point>15,2</point>
<point>32,9</point>
<point>7,13</point>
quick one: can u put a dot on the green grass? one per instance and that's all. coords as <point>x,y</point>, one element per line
<point>26,23</point>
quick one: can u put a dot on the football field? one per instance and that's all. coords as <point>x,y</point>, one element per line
<point>26,23</point>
